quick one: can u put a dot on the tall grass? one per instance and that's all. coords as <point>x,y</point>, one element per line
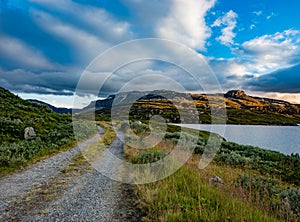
<point>189,196</point>
<point>186,196</point>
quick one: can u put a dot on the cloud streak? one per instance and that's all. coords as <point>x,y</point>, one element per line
<point>228,23</point>
<point>18,54</point>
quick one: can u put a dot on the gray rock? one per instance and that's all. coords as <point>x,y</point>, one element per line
<point>29,133</point>
<point>125,127</point>
<point>216,179</point>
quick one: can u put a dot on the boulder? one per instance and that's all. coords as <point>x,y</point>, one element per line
<point>29,133</point>
<point>216,179</point>
<point>125,127</point>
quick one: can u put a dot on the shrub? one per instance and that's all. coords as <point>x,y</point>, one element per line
<point>149,156</point>
<point>140,129</point>
<point>283,202</point>
<point>267,162</point>
<point>233,159</point>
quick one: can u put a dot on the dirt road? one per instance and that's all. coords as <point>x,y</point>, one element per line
<point>65,187</point>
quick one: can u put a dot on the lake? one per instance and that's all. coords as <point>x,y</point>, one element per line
<point>285,139</point>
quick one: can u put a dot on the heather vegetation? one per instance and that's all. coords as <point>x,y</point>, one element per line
<point>259,185</point>
<point>52,131</point>
<point>240,108</point>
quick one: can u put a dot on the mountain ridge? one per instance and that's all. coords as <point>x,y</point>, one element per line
<point>60,110</point>
<point>239,106</point>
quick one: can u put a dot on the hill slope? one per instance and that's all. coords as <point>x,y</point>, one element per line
<point>60,110</point>
<point>240,107</point>
<point>16,114</point>
<point>50,131</point>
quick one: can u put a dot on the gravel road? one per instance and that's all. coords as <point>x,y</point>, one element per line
<point>64,187</point>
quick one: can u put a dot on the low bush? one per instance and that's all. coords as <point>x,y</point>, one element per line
<point>266,192</point>
<point>233,159</point>
<point>267,162</point>
<point>149,156</point>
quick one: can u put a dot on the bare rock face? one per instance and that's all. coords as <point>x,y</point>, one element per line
<point>29,133</point>
<point>237,94</point>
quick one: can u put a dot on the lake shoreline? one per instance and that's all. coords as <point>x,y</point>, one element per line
<point>282,139</point>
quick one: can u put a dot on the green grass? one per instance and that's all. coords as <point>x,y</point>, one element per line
<point>21,153</point>
<point>109,135</point>
<point>186,196</point>
<point>247,117</point>
<point>267,162</point>
<point>248,194</point>
<point>54,131</point>
<point>270,194</point>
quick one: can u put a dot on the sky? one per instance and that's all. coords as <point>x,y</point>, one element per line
<point>45,45</point>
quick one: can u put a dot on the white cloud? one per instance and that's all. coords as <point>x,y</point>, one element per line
<point>269,52</point>
<point>258,13</point>
<point>252,26</point>
<point>54,100</point>
<point>228,22</point>
<point>230,67</point>
<point>42,82</point>
<point>259,57</point>
<point>163,19</point>
<point>185,23</point>
<point>22,54</point>
<point>271,15</point>
<point>177,20</point>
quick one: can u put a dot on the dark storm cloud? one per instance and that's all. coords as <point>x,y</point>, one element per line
<point>57,83</point>
<point>284,81</point>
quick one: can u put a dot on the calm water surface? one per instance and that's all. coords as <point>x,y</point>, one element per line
<point>285,139</point>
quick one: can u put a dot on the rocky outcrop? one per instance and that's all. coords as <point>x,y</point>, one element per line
<point>236,94</point>
<point>29,133</point>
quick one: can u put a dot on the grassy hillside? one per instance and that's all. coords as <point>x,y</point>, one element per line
<point>53,131</point>
<point>240,108</point>
<point>257,184</point>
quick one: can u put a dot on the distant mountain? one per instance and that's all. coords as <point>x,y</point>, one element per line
<point>238,99</point>
<point>60,110</point>
<point>240,107</point>
<point>129,97</point>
